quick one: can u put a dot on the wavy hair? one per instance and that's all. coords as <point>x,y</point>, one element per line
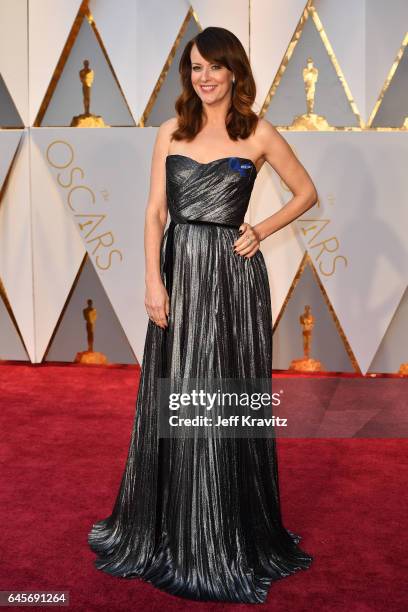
<point>223,47</point>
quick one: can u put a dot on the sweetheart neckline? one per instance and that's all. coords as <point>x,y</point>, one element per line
<point>213,160</point>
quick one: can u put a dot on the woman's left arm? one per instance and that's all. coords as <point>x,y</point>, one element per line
<point>280,156</point>
<point>277,152</point>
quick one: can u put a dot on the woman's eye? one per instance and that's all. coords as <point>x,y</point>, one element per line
<point>216,66</point>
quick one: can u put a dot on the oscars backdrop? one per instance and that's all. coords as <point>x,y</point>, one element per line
<point>83,89</point>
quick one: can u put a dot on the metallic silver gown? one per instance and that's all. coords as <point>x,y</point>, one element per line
<point>200,518</point>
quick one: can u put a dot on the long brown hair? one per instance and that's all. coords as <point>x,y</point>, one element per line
<point>223,47</point>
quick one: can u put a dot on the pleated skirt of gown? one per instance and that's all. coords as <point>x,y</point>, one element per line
<point>200,518</point>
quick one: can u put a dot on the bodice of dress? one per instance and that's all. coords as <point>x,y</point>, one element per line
<point>215,192</point>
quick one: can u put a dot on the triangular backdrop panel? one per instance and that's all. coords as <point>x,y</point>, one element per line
<point>356,237</point>
<point>9,116</point>
<point>56,19</point>
<point>106,211</point>
<point>13,63</point>
<point>230,14</point>
<point>327,345</point>
<point>8,145</point>
<point>138,53</point>
<point>386,26</point>
<point>393,109</point>
<point>71,335</point>
<point>106,98</point>
<point>289,99</point>
<point>16,262</point>
<point>58,250</point>
<point>11,346</point>
<point>170,89</point>
<point>345,26</point>
<point>393,350</point>
<point>272,25</point>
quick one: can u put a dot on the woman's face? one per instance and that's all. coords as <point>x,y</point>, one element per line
<point>211,81</point>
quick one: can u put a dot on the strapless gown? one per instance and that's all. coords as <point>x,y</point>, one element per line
<point>200,518</point>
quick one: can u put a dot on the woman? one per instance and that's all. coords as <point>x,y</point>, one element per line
<point>199,516</point>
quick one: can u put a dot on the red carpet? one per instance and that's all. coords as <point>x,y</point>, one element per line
<point>65,435</point>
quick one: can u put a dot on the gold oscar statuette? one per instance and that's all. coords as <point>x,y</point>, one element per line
<point>310,121</point>
<point>306,364</point>
<point>90,356</point>
<point>403,370</point>
<point>87,119</point>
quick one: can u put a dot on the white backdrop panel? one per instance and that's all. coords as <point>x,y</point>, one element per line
<point>49,25</point>
<point>57,249</point>
<point>230,14</point>
<point>345,23</point>
<point>386,26</point>
<point>392,351</point>
<point>272,26</point>
<point>104,187</point>
<point>138,37</point>
<point>360,177</point>
<point>14,52</point>
<point>15,244</point>
<point>8,144</point>
<point>357,236</point>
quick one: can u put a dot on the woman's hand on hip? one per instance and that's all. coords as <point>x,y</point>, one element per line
<point>248,243</point>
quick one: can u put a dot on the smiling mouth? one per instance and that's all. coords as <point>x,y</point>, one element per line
<point>208,87</point>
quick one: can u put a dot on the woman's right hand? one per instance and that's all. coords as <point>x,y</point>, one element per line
<point>157,302</point>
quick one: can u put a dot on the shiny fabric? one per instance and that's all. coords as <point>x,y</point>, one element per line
<point>200,518</point>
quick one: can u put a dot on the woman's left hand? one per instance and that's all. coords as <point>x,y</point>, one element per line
<point>248,243</point>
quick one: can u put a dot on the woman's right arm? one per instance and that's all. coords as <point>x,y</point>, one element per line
<point>156,297</point>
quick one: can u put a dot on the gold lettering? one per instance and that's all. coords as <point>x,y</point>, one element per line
<point>94,225</point>
<point>325,247</point>
<point>110,258</point>
<point>101,242</point>
<point>313,228</point>
<point>86,222</point>
<point>76,189</point>
<point>334,265</point>
<point>54,165</point>
<point>71,173</point>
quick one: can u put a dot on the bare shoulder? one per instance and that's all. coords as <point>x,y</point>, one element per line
<point>169,124</point>
<point>167,127</point>
<point>279,154</point>
<point>265,131</point>
<point>163,136</point>
<point>270,142</point>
